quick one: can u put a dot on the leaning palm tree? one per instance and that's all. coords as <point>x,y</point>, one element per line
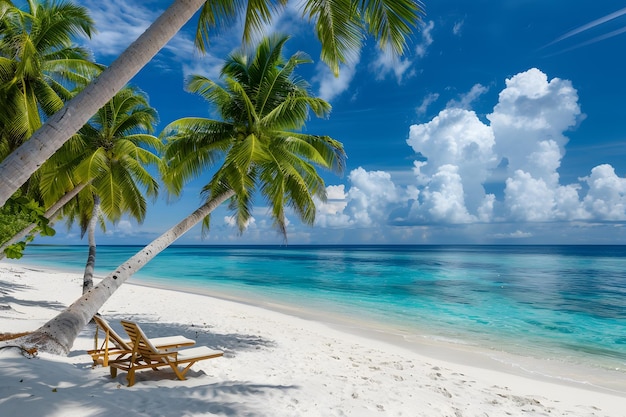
<point>340,26</point>
<point>261,104</point>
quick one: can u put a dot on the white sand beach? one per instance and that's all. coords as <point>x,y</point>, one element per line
<point>275,364</point>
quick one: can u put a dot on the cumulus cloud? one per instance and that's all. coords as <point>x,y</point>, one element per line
<point>606,198</point>
<point>453,141</point>
<point>458,155</point>
<point>365,204</point>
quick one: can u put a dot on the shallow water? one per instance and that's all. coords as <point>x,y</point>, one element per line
<point>561,303</point>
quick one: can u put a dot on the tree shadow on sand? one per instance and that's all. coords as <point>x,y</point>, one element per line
<point>33,386</point>
<point>8,288</point>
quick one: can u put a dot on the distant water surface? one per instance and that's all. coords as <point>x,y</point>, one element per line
<point>556,302</point>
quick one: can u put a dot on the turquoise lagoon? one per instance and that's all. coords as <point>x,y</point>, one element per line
<point>559,303</point>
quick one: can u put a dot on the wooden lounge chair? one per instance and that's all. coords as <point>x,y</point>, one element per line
<point>146,355</point>
<point>114,348</point>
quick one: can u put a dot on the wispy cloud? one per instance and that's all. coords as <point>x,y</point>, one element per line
<point>427,101</point>
<point>427,38</point>
<point>458,27</point>
<point>584,28</point>
<point>331,86</point>
<point>596,39</point>
<point>465,101</point>
<point>388,63</point>
<point>590,25</point>
<point>119,23</point>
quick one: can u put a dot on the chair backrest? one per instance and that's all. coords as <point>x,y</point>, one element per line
<point>138,339</point>
<point>115,338</point>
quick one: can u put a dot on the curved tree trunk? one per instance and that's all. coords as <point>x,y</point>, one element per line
<point>57,336</point>
<point>24,161</point>
<point>91,258</point>
<point>49,214</point>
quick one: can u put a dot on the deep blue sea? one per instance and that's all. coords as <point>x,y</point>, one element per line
<point>558,302</point>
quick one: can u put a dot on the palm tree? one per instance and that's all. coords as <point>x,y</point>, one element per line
<point>261,104</point>
<point>39,66</point>
<point>339,25</point>
<point>106,159</point>
<point>110,155</point>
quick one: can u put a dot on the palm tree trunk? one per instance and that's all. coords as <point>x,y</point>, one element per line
<point>49,214</point>
<point>57,336</point>
<point>24,161</point>
<point>91,258</point>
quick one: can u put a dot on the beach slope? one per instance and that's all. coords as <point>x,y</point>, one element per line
<point>274,365</point>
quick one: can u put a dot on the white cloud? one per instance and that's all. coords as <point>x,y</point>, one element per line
<point>466,100</point>
<point>443,199</point>
<point>518,234</point>
<point>524,139</point>
<point>123,228</point>
<point>457,138</point>
<point>427,101</point>
<point>387,62</point>
<point>331,86</point>
<point>530,111</point>
<point>533,199</point>
<point>606,199</point>
<point>458,27</point>
<point>231,221</point>
<point>365,204</point>
<point>330,213</point>
<point>119,23</point>
<point>426,40</point>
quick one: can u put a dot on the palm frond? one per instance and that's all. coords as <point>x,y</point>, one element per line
<point>257,14</point>
<point>338,27</point>
<point>214,14</point>
<point>262,103</point>
<point>392,21</point>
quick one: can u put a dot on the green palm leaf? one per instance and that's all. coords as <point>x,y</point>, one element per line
<point>338,27</point>
<point>263,104</point>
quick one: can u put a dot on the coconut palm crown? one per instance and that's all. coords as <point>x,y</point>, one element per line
<point>39,65</point>
<point>262,105</point>
<point>111,154</point>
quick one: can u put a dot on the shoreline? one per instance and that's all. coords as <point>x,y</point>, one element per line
<point>316,355</point>
<point>460,352</point>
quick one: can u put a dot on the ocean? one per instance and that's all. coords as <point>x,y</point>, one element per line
<point>558,303</point>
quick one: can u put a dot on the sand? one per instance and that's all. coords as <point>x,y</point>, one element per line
<point>275,364</point>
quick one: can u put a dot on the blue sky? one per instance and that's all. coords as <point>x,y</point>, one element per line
<point>503,124</point>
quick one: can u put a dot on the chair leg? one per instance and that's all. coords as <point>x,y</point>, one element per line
<point>113,371</point>
<point>130,377</point>
<point>180,375</point>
